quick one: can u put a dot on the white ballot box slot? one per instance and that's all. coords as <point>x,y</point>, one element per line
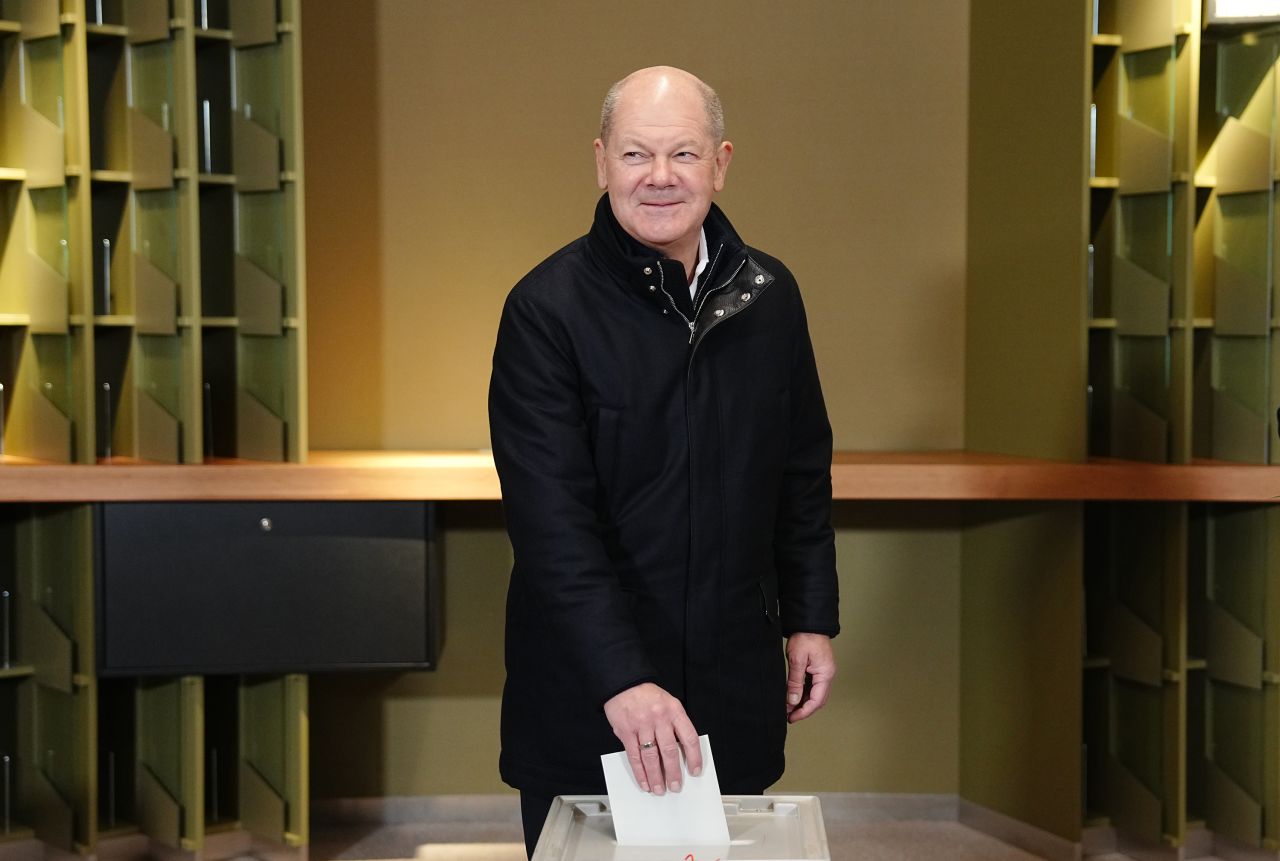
<point>761,828</point>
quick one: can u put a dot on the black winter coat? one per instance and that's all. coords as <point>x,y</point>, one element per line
<point>667,491</point>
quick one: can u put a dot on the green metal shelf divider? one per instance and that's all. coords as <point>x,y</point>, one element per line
<point>1242,626</point>
<point>1138,678</point>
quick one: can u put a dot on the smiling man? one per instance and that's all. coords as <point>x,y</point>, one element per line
<point>665,458</point>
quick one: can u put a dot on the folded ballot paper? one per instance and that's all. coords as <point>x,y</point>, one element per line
<point>692,817</point>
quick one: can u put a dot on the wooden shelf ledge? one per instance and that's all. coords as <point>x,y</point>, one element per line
<point>339,475</point>
<point>470,475</point>
<point>974,477</point>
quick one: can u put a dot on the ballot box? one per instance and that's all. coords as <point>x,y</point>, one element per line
<point>761,828</point>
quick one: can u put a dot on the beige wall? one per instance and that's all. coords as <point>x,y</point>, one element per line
<point>448,151</point>
<point>451,140</point>
<point>344,215</point>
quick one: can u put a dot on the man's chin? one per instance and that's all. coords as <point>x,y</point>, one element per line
<point>665,234</point>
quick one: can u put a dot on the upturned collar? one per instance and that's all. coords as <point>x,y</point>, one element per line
<point>646,270</point>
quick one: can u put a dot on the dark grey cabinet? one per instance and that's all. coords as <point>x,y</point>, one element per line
<point>266,587</point>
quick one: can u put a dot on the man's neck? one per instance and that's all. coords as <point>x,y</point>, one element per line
<point>687,255</point>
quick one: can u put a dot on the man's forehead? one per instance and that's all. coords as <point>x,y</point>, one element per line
<point>662,119</point>
<point>677,134</point>
<point>661,103</point>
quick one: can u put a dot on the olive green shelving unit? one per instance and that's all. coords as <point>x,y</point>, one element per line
<point>1143,336</point>
<point>151,310</point>
<point>151,283</point>
<point>1184,612</point>
<point>1158,345</point>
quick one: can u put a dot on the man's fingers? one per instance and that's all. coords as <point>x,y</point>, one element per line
<point>653,727</point>
<point>670,752</point>
<point>795,680</point>
<point>802,712</point>
<point>818,693</point>
<point>692,749</point>
<point>652,767</point>
<point>632,747</point>
<point>817,699</point>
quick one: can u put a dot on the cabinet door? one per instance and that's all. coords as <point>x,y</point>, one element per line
<point>49,780</point>
<point>1240,220</point>
<point>60,777</point>
<point>273,759</point>
<point>1239,706</point>
<point>266,587</point>
<point>1145,762</point>
<point>170,766</point>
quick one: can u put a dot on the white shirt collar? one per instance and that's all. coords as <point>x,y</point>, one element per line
<point>703,259</point>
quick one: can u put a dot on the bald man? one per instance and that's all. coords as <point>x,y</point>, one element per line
<point>665,458</point>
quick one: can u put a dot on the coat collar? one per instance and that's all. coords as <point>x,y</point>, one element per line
<point>646,270</point>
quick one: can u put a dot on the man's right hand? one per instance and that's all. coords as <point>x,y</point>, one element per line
<point>653,727</point>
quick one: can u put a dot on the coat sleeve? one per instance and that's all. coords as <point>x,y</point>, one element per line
<point>567,591</point>
<point>804,543</point>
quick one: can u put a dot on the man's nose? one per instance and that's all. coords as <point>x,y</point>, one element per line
<point>660,173</point>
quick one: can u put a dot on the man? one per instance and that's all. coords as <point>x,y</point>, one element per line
<point>665,459</point>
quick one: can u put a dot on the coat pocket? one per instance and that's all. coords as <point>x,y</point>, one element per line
<point>769,606</point>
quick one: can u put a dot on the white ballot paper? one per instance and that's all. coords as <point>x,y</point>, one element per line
<point>692,817</point>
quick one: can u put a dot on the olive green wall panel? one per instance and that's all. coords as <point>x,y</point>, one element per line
<point>1025,348</point>
<point>1021,643</point>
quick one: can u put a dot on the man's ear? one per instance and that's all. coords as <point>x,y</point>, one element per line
<point>724,154</point>
<point>601,180</point>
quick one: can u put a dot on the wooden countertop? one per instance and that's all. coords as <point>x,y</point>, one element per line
<point>976,476</point>
<point>470,475</point>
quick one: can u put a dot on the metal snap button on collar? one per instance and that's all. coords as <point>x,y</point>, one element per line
<point>719,312</point>
<point>759,279</point>
<point>745,297</point>
<point>648,270</point>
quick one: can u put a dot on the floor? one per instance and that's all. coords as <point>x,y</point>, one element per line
<point>487,828</point>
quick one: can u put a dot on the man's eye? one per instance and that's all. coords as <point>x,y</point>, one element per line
<point>633,156</point>
<point>687,156</point>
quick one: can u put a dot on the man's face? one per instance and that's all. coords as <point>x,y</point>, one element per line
<point>661,166</point>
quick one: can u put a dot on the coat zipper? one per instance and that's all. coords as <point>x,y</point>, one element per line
<point>688,373</point>
<point>662,281</point>
<point>693,324</point>
<point>698,310</point>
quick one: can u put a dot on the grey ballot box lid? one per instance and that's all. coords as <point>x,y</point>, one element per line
<point>761,828</point>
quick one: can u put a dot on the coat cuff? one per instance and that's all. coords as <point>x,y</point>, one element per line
<point>640,680</point>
